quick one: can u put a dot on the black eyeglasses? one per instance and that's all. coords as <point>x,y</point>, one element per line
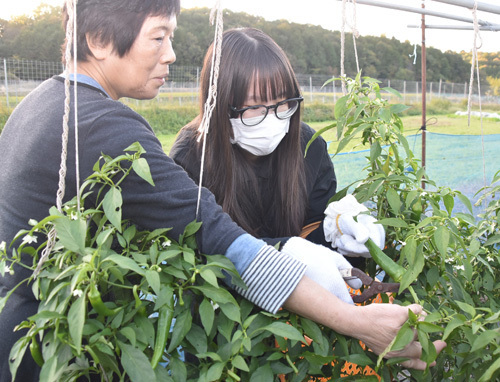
<point>253,115</point>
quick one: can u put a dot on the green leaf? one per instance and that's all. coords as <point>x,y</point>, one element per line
<point>403,338</point>
<point>49,370</point>
<point>127,263</point>
<point>284,330</point>
<point>449,203</point>
<point>71,233</point>
<point>359,359</point>
<point>493,240</point>
<point>441,239</point>
<point>153,278</point>
<point>215,371</point>
<point>393,222</point>
<point>240,363</point>
<point>192,228</point>
<point>487,376</point>
<point>141,168</point>
<point>231,311</point>
<point>209,276</point>
<point>76,320</point>
<point>466,308</point>
<point>129,334</point>
<point>112,205</point>
<point>136,147</point>
<point>136,364</point>
<point>466,202</point>
<point>484,339</point>
<point>340,106</point>
<point>399,108</point>
<point>218,295</point>
<point>415,268</point>
<point>181,328</point>
<point>394,201</point>
<point>207,315</point>
<point>263,373</point>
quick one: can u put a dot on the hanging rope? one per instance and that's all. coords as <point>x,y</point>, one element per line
<point>414,55</point>
<point>355,33</point>
<point>342,49</point>
<point>70,36</point>
<point>475,65</point>
<point>209,106</point>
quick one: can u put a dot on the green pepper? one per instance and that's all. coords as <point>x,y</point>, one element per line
<point>35,352</point>
<point>390,267</point>
<point>97,303</point>
<point>163,328</point>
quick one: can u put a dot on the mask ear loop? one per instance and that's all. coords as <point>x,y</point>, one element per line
<point>71,43</point>
<point>212,91</point>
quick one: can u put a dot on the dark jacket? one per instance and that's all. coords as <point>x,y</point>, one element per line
<point>321,182</point>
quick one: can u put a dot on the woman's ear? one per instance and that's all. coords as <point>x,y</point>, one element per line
<point>98,49</point>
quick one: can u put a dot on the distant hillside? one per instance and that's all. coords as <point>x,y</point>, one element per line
<point>311,49</point>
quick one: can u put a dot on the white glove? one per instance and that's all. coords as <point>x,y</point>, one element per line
<point>347,234</point>
<point>323,266</point>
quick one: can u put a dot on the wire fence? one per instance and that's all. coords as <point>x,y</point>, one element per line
<point>19,77</point>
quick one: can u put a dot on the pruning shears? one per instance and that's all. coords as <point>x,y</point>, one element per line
<point>372,286</point>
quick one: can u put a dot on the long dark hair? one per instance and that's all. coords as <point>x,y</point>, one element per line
<point>247,55</point>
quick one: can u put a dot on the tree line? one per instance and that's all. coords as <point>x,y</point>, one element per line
<point>311,49</point>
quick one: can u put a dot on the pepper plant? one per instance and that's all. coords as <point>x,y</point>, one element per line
<point>448,262</point>
<point>120,303</point>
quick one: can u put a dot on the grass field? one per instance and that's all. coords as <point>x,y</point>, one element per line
<point>444,124</point>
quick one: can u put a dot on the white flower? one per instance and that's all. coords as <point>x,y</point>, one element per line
<point>77,293</point>
<point>2,246</point>
<point>459,267</point>
<point>73,215</point>
<point>167,243</point>
<point>28,239</point>
<point>489,258</point>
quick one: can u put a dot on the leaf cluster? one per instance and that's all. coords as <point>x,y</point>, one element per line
<point>451,259</point>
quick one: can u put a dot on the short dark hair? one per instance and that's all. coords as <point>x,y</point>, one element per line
<point>115,21</point>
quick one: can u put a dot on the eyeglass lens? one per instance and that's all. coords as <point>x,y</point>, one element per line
<point>257,114</point>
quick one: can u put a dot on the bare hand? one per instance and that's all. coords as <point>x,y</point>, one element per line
<point>386,320</point>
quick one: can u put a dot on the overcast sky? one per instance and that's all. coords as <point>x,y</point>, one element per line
<point>370,20</point>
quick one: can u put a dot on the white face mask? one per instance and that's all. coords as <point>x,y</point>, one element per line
<point>261,139</point>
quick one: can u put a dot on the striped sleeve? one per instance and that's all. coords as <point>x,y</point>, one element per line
<point>271,277</point>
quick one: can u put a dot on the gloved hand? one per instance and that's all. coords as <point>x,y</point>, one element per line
<point>323,266</point>
<point>348,235</point>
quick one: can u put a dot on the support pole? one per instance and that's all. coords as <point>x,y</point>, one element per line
<point>424,91</point>
<point>6,82</point>
<point>470,4</point>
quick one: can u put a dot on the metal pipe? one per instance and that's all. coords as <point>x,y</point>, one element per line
<point>470,4</point>
<point>492,28</point>
<point>424,91</point>
<point>420,11</point>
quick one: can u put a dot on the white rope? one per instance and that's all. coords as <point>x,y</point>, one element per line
<point>212,91</point>
<point>475,64</point>
<point>70,36</point>
<point>355,33</point>
<point>414,55</point>
<point>342,49</point>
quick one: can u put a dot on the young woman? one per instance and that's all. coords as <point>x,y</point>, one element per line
<point>254,160</point>
<point>124,50</point>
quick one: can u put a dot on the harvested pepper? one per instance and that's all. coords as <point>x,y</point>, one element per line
<point>390,267</point>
